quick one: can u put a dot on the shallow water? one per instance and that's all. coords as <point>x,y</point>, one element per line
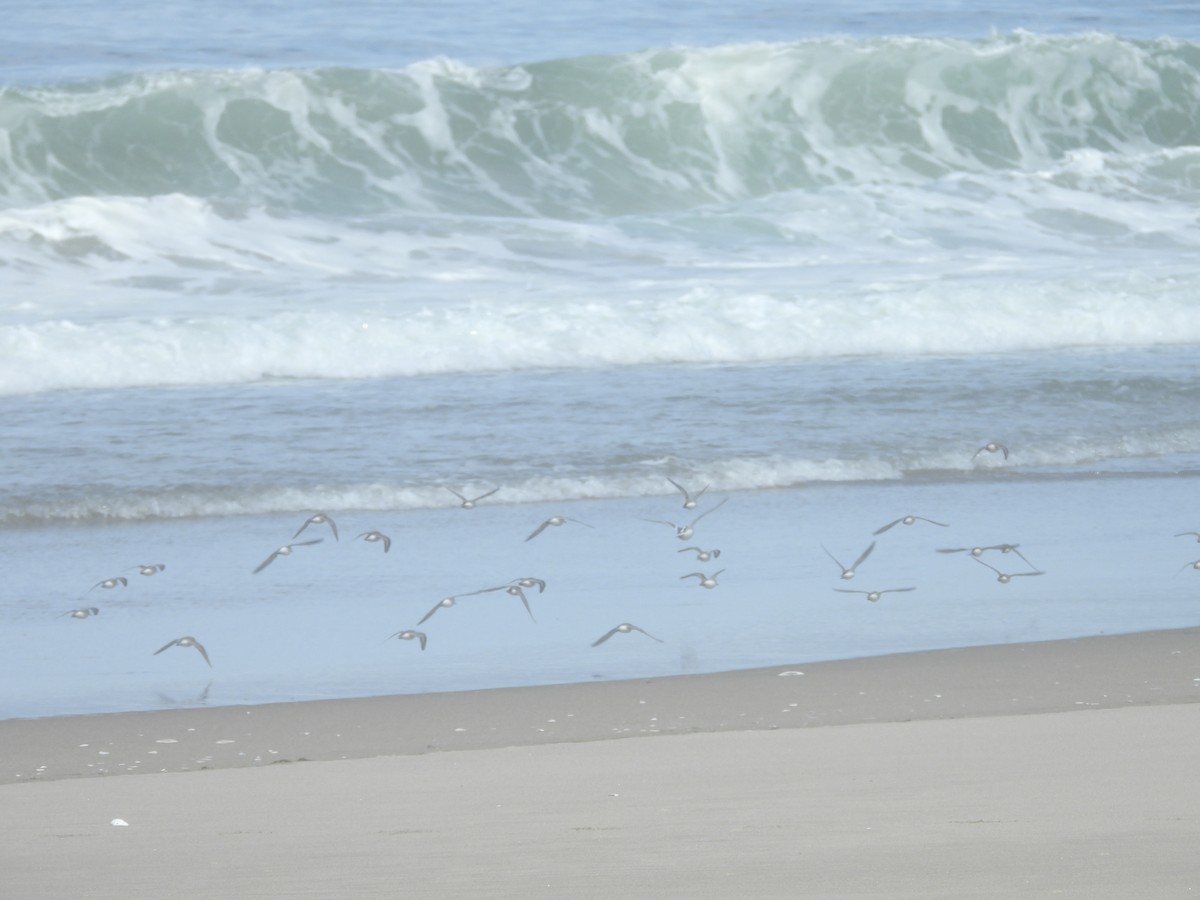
<point>316,624</point>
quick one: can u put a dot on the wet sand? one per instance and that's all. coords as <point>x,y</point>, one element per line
<point>1064,768</point>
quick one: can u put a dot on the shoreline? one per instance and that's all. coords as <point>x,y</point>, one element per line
<point>1098,672</point>
<point>1058,769</point>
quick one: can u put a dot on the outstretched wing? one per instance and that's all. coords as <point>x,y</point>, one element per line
<point>709,510</point>
<point>436,607</point>
<point>610,633</point>
<point>203,652</point>
<point>266,562</point>
<point>539,530</point>
<point>862,556</point>
<point>646,633</point>
<point>834,558</point>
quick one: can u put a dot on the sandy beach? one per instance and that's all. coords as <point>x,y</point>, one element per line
<point>1062,769</point>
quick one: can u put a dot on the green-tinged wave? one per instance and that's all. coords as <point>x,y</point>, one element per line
<point>656,130</point>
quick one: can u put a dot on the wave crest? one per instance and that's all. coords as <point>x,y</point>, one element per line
<point>655,130</point>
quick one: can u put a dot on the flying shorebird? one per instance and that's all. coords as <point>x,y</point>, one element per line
<point>445,602</point>
<point>317,519</point>
<point>1195,564</point>
<point>706,581</point>
<point>874,596</point>
<point>684,532</point>
<point>979,551</point>
<point>110,583</point>
<point>82,612</point>
<point>372,537</point>
<point>513,590</point>
<point>1005,577</point>
<point>285,550</point>
<point>556,521</point>
<point>908,520</point>
<point>623,628</point>
<point>529,581</point>
<point>408,635</point>
<point>689,499</point>
<point>469,502</point>
<point>848,572</point>
<point>186,641</point>
<point>701,555</point>
<point>150,569</point>
<point>991,447</point>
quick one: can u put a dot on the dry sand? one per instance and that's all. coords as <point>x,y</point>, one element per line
<point>1058,769</point>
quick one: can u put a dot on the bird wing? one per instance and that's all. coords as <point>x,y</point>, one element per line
<point>165,646</point>
<point>427,615</point>
<point>646,633</point>
<point>539,530</point>
<point>387,543</point>
<point>502,587</point>
<point>707,511</point>
<point>834,558</point>
<point>421,638</point>
<point>485,496</point>
<point>520,593</point>
<point>887,526</point>
<point>1023,556</point>
<point>601,640</point>
<point>862,557</point>
<point>662,522</point>
<point>203,652</point>
<point>266,562</point>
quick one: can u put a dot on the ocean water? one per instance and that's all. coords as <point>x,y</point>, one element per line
<point>353,259</point>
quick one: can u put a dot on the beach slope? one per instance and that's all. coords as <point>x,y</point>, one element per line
<point>1059,769</point>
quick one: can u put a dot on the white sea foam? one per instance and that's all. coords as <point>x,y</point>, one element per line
<point>743,203</point>
<point>703,324</point>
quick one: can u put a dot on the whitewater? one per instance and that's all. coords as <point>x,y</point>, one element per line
<point>813,265</point>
